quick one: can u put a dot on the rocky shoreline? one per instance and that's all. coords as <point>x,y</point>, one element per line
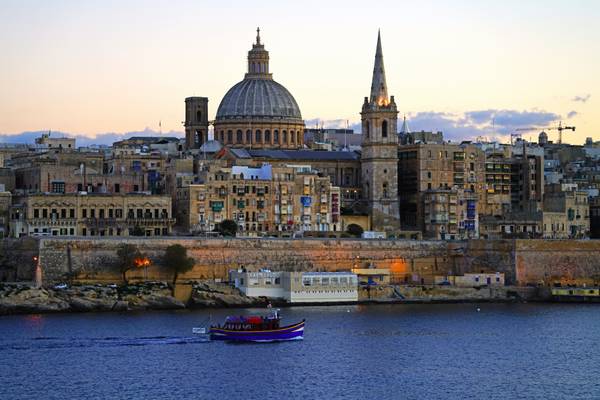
<point>20,298</point>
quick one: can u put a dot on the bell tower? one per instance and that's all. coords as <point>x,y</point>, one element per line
<point>196,122</point>
<point>379,157</point>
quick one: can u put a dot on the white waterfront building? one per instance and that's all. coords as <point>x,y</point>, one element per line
<point>298,287</point>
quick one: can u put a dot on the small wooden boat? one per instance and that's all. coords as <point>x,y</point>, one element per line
<point>256,328</point>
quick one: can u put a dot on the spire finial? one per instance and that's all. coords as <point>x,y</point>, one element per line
<point>257,35</point>
<point>379,94</point>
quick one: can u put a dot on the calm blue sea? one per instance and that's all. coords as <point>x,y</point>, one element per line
<point>505,351</point>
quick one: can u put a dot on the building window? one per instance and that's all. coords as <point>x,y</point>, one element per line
<point>229,137</point>
<point>72,213</point>
<point>267,136</point>
<point>276,136</point>
<point>384,129</point>
<point>117,188</point>
<point>258,136</point>
<point>248,136</point>
<point>239,136</point>
<point>58,187</point>
<point>285,137</point>
<point>385,190</point>
<point>36,213</point>
<point>198,116</point>
<point>367,129</point>
<point>292,137</point>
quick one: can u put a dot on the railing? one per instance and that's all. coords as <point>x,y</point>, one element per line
<point>150,221</point>
<point>52,221</point>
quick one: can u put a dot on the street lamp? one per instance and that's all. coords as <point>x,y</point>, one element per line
<point>38,272</point>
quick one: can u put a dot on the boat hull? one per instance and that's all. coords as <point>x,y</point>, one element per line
<point>290,332</point>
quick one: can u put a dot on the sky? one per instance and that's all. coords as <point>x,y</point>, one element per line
<point>104,69</point>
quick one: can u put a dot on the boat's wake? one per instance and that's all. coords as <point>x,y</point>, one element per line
<point>63,343</point>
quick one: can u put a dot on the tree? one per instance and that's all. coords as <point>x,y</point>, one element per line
<point>227,228</point>
<point>128,256</point>
<point>355,230</point>
<point>177,261</point>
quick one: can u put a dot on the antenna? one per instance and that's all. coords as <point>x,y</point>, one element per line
<point>345,132</point>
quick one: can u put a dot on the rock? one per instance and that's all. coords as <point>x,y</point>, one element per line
<point>91,304</point>
<point>221,295</point>
<point>31,301</point>
<point>120,306</point>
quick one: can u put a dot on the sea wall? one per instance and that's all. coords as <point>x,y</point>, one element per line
<point>94,260</point>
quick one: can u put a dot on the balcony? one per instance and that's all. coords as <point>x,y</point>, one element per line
<point>52,222</point>
<point>150,221</point>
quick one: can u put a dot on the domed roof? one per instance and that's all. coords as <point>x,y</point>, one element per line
<point>258,98</point>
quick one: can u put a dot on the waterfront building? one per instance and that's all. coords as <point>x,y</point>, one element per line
<point>372,276</point>
<point>566,212</point>
<point>498,180</point>
<point>429,166</point>
<point>527,182</point>
<point>298,287</point>
<point>450,214</point>
<point>94,214</point>
<point>343,168</point>
<point>260,199</point>
<point>470,280</point>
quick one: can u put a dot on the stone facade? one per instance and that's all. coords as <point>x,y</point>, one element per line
<point>91,215</point>
<point>196,122</point>
<point>521,261</point>
<point>429,166</point>
<point>450,214</point>
<point>566,213</point>
<point>259,112</point>
<point>379,157</point>
<point>260,200</point>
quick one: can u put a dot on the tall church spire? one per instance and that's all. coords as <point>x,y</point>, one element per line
<point>379,93</point>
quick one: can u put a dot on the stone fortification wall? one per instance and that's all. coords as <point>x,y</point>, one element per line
<point>18,259</point>
<point>569,261</point>
<point>485,255</point>
<point>95,259</point>
<point>522,261</point>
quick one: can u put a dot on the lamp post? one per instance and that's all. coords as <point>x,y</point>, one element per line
<point>38,272</point>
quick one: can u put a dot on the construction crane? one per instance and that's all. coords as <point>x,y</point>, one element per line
<point>558,128</point>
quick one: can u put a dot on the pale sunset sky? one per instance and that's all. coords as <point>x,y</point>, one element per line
<point>92,67</point>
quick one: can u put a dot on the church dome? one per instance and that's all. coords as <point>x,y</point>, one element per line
<point>258,98</point>
<point>258,112</point>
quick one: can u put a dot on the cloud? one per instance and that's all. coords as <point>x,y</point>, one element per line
<point>491,123</point>
<point>571,114</point>
<point>83,140</point>
<point>456,126</point>
<point>582,99</point>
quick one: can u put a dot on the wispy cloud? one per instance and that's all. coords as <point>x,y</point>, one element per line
<point>582,99</point>
<point>572,114</point>
<point>492,124</point>
<point>333,123</point>
<point>84,140</point>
